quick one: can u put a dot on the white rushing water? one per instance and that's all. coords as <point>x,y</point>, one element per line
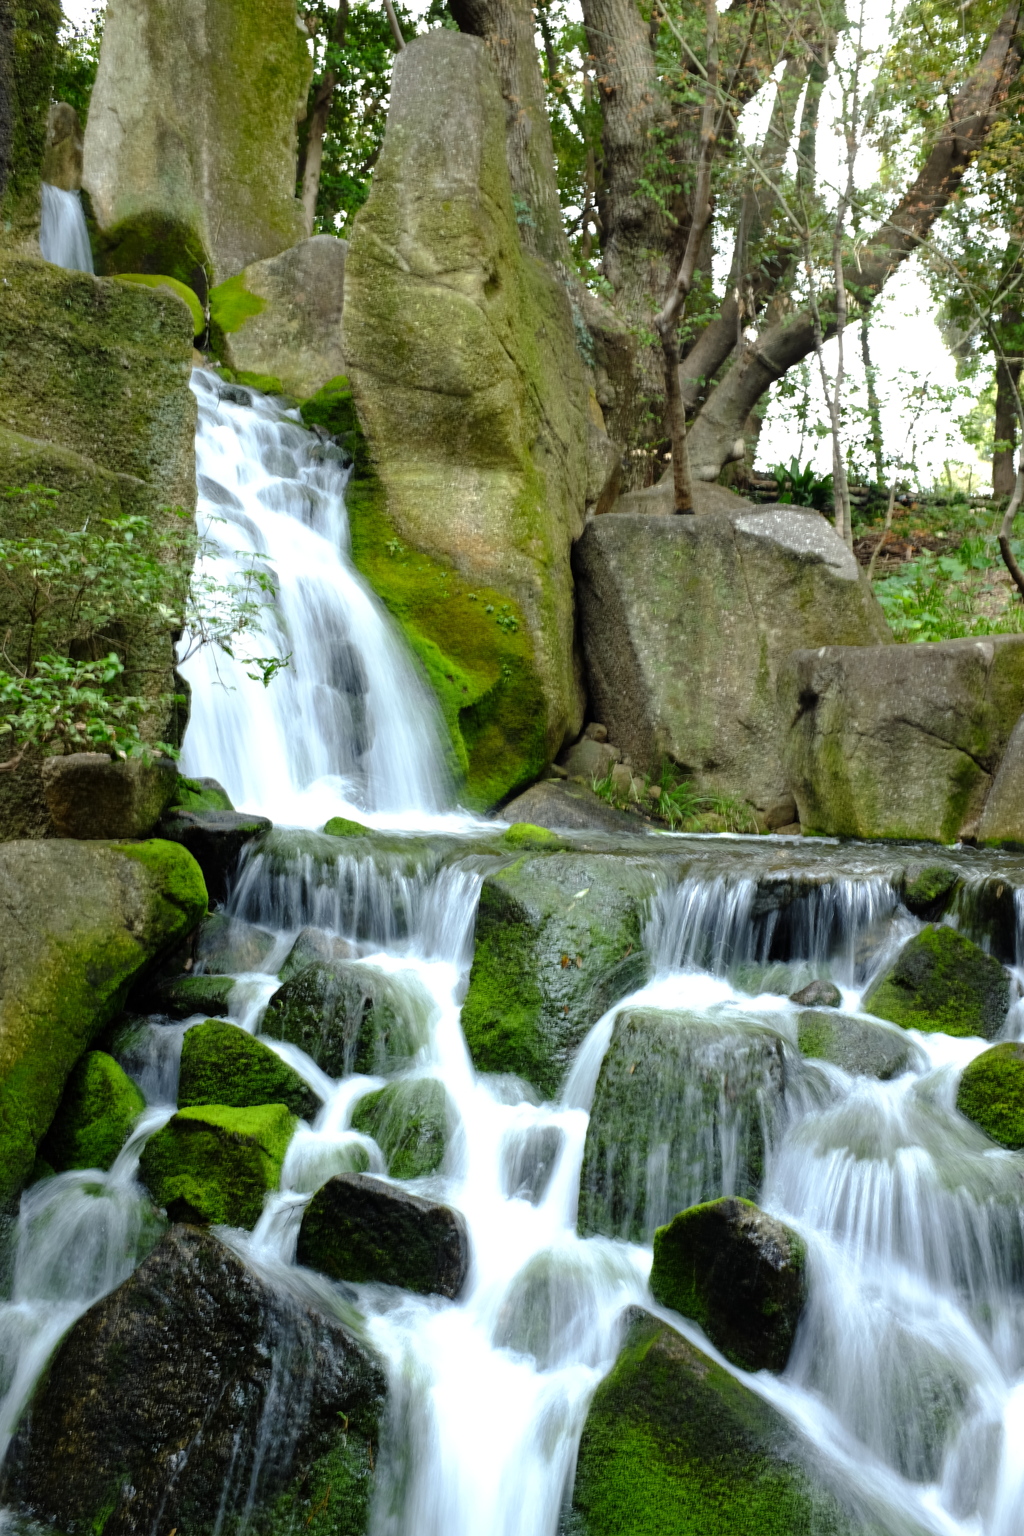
<point>63,237</point>
<point>908,1371</point>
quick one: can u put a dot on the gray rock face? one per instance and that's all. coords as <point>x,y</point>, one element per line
<point>62,158</point>
<point>855,1044</point>
<point>190,146</point>
<point>296,337</point>
<point>90,795</point>
<point>358,1228</point>
<point>275,1403</point>
<point>902,741</point>
<point>568,807</point>
<point>686,623</point>
<point>1002,820</point>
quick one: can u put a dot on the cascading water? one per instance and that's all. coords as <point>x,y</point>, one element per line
<point>908,1371</point>
<point>63,236</point>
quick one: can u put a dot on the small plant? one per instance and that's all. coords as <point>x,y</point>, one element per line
<point>803,487</point>
<point>506,619</point>
<point>935,597</point>
<point>680,804</point>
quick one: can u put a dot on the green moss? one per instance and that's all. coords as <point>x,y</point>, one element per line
<point>192,795</point>
<point>266,383</point>
<point>231,305</point>
<point>171,285</point>
<point>186,995</point>
<point>409,1121</point>
<point>99,1107</point>
<point>991,1093</point>
<point>177,877</point>
<point>349,1017</point>
<point>222,1064</point>
<point>524,835</point>
<point>330,1498</point>
<point>941,982</point>
<point>151,243</point>
<point>675,1446</point>
<point>928,891</point>
<point>340,826</point>
<point>216,1163</point>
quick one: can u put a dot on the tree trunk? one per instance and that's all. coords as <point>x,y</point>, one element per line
<point>874,404</point>
<point>312,156</point>
<point>1008,371</point>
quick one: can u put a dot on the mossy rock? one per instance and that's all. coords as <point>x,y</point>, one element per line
<point>856,1045</point>
<point>410,1121</point>
<point>186,995</point>
<point>231,305</point>
<point>201,795</point>
<point>680,1111</point>
<point>929,890</point>
<point>942,983</point>
<point>557,943</point>
<point>99,1107</point>
<point>361,1229</point>
<point>675,1446</point>
<point>350,1018</point>
<point>315,946</point>
<point>215,1163</point>
<point>341,826</point>
<point>525,837</point>
<point>991,1093</point>
<point>222,1064</point>
<point>737,1272</point>
<point>170,285</point>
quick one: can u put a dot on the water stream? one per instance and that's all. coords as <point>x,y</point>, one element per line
<point>908,1371</point>
<point>63,236</point>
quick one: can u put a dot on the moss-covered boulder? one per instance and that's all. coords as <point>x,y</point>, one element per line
<point>410,1121</point>
<point>737,1272</point>
<point>942,983</point>
<point>557,943</point>
<point>180,291</point>
<point>471,388</point>
<point>361,1229</point>
<point>184,996</point>
<point>929,889</point>
<point>201,795</point>
<point>679,1117</point>
<point>190,143</point>
<point>524,837</point>
<point>350,1017</point>
<point>214,1163</point>
<point>856,1045</point>
<point>282,316</point>
<point>991,1093</point>
<point>222,1064</point>
<point>98,1109</point>
<point>82,923</point>
<point>196,1351</point>
<point>91,794</point>
<point>675,1446</point>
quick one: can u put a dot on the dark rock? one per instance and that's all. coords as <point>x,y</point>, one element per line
<point>818,994</point>
<point>991,1093</point>
<point>856,1045</point>
<point>215,839</point>
<point>410,1121</point>
<point>557,943</point>
<point>528,1159</point>
<point>360,1229</point>
<point>217,1164</point>
<point>941,982</point>
<point>99,1107</point>
<point>349,1018</point>
<point>222,1064</point>
<point>196,1393</point>
<point>185,995</point>
<point>92,795</point>
<point>568,808</point>
<point>674,1444</point>
<point>737,1272</point>
<point>682,1103</point>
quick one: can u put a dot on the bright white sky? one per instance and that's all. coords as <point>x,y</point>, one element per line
<point>907,349</point>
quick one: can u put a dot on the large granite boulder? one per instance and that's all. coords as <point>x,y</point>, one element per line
<point>471,389</point>
<point>1002,820</point>
<point>199,1398</point>
<point>941,982</point>
<point>216,840</point>
<point>360,1229</point>
<point>902,742</point>
<point>62,158</point>
<point>90,794</point>
<point>281,318</point>
<point>81,923</point>
<point>190,146</point>
<point>686,624</point>
<point>557,942</point>
<point>673,1443</point>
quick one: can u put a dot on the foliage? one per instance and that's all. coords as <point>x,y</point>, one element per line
<point>803,487</point>
<point>69,705</point>
<point>78,57</point>
<point>935,597</point>
<point>680,805</point>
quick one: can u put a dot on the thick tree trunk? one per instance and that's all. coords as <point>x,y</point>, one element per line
<point>1004,471</point>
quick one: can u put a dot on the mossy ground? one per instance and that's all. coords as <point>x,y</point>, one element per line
<point>216,1163</point>
<point>991,1093</point>
<point>409,1122</point>
<point>99,1106</point>
<point>942,982</point>
<point>222,1064</point>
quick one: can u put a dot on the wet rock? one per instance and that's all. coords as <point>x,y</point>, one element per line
<point>344,826</point>
<point>410,1121</point>
<point>314,946</point>
<point>528,1159</point>
<point>929,890</point>
<point>227,944</point>
<point>737,1272</point>
<point>222,1064</point>
<point>215,840</point>
<point>98,1109</point>
<point>673,1443</point>
<point>279,1407</point>
<point>991,1093</point>
<point>547,1309</point>
<point>216,1164</point>
<point>202,794</point>
<point>856,1045</point>
<point>360,1229</point>
<point>557,943</point>
<point>91,795</point>
<point>1002,820</point>
<point>679,1112</point>
<point>350,1018</point>
<point>81,923</point>
<point>818,994</point>
<point>284,316</point>
<point>527,838</point>
<point>941,982</point>
<point>568,808</point>
<point>183,996</point>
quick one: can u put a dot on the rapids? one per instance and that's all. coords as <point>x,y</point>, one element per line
<point>908,1372</point>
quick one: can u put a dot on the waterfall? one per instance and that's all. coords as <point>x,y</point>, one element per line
<point>63,237</point>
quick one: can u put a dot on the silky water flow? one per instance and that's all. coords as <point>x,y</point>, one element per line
<point>908,1370</point>
<point>63,236</point>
